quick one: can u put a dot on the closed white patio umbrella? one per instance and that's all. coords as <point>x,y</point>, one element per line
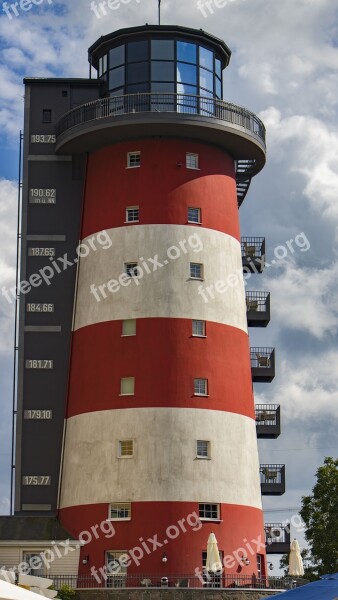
<point>8,591</point>
<point>213,563</point>
<point>296,568</point>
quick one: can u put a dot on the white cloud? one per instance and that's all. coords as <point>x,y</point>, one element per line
<point>4,505</point>
<point>307,387</point>
<point>306,299</point>
<point>311,148</point>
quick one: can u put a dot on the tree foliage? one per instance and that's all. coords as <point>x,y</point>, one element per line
<point>67,593</point>
<point>320,513</point>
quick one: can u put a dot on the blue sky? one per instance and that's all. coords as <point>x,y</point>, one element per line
<point>284,67</point>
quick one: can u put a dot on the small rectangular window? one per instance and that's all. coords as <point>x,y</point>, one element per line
<point>129,327</point>
<point>200,387</point>
<point>194,215</point>
<point>196,271</point>
<point>133,159</point>
<point>125,448</point>
<point>46,115</point>
<point>116,568</point>
<point>198,328</point>
<point>191,161</point>
<point>202,449</point>
<point>103,65</point>
<point>210,512</point>
<point>33,563</point>
<point>132,214</point>
<point>131,268</point>
<point>127,386</point>
<point>120,511</point>
<point>64,93</point>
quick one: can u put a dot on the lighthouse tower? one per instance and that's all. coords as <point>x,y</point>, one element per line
<point>160,437</point>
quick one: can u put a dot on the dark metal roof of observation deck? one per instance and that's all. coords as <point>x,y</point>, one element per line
<point>129,34</point>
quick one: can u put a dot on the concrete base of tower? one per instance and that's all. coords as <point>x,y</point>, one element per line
<point>170,530</point>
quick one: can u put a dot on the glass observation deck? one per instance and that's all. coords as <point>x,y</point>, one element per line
<point>167,81</point>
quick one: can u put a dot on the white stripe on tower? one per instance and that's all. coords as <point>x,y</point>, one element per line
<point>166,292</point>
<point>164,466</point>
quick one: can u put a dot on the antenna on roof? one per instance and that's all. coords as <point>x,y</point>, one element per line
<point>159,12</point>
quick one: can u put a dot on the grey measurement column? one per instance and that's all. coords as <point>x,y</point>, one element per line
<point>51,212</point>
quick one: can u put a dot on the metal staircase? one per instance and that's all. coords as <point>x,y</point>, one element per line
<point>244,173</point>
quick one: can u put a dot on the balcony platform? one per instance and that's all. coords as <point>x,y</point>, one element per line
<point>258,309</point>
<point>253,254</point>
<point>272,480</point>
<point>268,424</point>
<point>262,364</point>
<point>109,120</point>
<point>278,538</point>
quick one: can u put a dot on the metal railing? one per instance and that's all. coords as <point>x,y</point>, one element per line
<point>266,414</point>
<point>262,358</point>
<point>276,533</point>
<point>272,473</point>
<point>204,581</point>
<point>253,247</point>
<point>257,301</point>
<point>162,103</point>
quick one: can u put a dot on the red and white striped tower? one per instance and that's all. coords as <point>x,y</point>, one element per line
<point>159,358</point>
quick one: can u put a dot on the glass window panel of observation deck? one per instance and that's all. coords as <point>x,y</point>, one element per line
<point>138,51</point>
<point>162,70</point>
<point>185,103</point>
<point>138,99</point>
<point>162,87</point>
<point>117,56</point>
<point>184,88</point>
<point>218,87</point>
<point>116,78</point>
<point>116,104</point>
<point>218,68</point>
<point>138,72</point>
<point>162,49</point>
<point>207,103</point>
<point>164,99</point>
<point>206,58</point>
<point>138,88</point>
<point>187,52</point>
<point>206,80</point>
<point>186,73</point>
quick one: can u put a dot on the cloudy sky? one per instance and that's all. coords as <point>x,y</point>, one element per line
<point>284,67</point>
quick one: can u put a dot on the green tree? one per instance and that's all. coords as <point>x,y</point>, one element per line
<point>320,513</point>
<point>67,593</point>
